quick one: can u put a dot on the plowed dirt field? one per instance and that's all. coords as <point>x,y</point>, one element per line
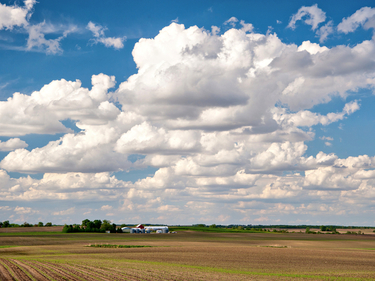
<point>187,255</point>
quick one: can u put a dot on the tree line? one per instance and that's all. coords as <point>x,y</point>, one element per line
<point>25,224</point>
<point>92,226</point>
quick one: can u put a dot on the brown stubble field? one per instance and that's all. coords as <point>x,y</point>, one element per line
<point>187,255</point>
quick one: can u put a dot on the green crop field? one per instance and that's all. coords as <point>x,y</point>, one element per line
<point>186,255</point>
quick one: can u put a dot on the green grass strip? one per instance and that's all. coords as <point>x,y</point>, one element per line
<point>9,246</point>
<point>216,230</point>
<point>273,246</point>
<point>116,246</point>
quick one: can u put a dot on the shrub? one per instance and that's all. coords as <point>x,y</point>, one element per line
<point>48,224</point>
<point>67,228</point>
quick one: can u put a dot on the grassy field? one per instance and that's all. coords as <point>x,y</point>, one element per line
<point>186,255</point>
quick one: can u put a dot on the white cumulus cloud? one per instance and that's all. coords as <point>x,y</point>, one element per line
<point>11,16</point>
<point>223,119</point>
<point>12,144</point>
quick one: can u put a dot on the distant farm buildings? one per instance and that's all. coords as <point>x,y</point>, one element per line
<point>146,229</point>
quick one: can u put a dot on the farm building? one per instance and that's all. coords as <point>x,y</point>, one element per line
<point>146,229</point>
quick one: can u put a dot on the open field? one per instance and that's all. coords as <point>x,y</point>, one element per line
<point>187,255</point>
<point>31,229</point>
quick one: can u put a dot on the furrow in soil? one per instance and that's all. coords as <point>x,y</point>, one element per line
<point>18,273</point>
<point>4,273</point>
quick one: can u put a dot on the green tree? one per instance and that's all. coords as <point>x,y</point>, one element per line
<point>48,224</point>
<point>106,225</point>
<point>307,229</point>
<point>213,225</point>
<point>332,228</point>
<point>97,223</point>
<point>113,228</point>
<point>40,224</point>
<point>85,222</point>
<point>323,228</point>
<point>90,226</point>
<point>6,224</point>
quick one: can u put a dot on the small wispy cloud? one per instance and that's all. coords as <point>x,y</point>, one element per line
<point>15,16</point>
<point>98,32</point>
<point>326,138</point>
<point>309,15</point>
<point>362,17</point>
<point>65,212</point>
<point>50,46</point>
<point>246,27</point>
<point>232,21</point>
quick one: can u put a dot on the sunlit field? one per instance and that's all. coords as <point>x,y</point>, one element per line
<point>186,255</point>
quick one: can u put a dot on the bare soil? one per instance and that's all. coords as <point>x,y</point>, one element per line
<point>188,255</point>
<point>31,229</point>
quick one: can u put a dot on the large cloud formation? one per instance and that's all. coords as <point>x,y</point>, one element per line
<point>222,117</point>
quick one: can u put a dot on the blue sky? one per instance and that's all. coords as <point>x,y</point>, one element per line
<point>251,112</point>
